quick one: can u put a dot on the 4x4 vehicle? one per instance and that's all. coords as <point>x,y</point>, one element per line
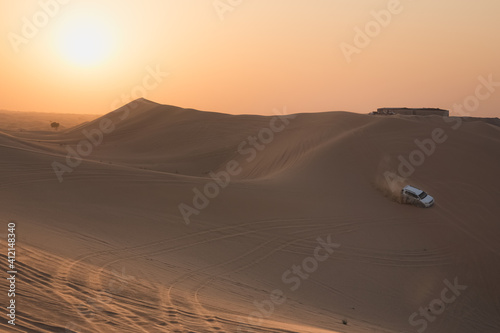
<point>416,197</point>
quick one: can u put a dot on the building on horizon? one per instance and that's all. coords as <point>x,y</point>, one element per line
<point>413,111</point>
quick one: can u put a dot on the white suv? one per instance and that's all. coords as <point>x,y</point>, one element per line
<point>417,197</point>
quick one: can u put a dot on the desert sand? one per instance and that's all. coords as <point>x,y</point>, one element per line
<point>295,230</point>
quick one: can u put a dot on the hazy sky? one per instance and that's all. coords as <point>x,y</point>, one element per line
<point>250,56</point>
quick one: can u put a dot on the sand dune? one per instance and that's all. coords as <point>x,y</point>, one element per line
<point>105,248</point>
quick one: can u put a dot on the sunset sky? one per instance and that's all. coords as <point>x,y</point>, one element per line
<point>249,56</point>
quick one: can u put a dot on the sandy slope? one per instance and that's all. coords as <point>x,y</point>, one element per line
<point>107,250</point>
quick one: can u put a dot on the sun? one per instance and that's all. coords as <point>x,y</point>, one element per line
<point>85,41</point>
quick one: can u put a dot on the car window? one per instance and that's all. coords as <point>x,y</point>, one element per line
<point>411,194</point>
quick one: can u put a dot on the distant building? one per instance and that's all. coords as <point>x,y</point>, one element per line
<point>413,112</point>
